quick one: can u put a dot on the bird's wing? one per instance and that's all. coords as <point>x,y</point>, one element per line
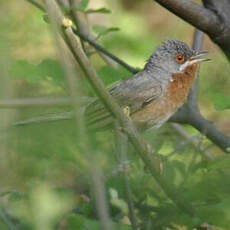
<point>134,93</point>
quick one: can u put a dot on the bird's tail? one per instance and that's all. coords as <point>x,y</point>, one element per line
<point>45,118</point>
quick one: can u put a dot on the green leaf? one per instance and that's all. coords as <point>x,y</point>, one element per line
<point>102,10</point>
<point>168,213</point>
<point>110,75</point>
<point>76,222</point>
<point>23,69</point>
<point>48,69</point>
<point>81,6</point>
<point>221,101</point>
<point>102,30</point>
<point>217,214</point>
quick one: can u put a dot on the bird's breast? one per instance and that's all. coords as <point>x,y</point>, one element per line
<point>176,92</point>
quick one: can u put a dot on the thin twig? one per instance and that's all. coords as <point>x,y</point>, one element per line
<point>99,193</point>
<point>106,52</point>
<point>35,102</point>
<point>83,29</point>
<point>209,130</point>
<point>39,102</point>
<point>96,45</point>
<point>180,129</point>
<point>122,142</point>
<point>38,5</point>
<point>76,19</point>
<point>46,118</point>
<point>182,144</point>
<point>188,115</point>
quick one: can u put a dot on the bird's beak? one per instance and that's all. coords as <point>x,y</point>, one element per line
<point>198,57</point>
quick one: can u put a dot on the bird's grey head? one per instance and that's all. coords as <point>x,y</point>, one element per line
<point>172,57</point>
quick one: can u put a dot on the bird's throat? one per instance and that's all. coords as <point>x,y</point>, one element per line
<point>182,82</point>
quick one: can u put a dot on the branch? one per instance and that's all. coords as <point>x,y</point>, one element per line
<point>83,28</point>
<point>213,18</point>
<point>198,38</point>
<point>40,102</point>
<point>96,45</point>
<point>193,13</point>
<point>46,118</point>
<point>181,130</point>
<point>190,114</point>
<point>210,131</point>
<point>106,52</point>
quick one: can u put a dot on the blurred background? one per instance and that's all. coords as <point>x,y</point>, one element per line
<point>43,172</point>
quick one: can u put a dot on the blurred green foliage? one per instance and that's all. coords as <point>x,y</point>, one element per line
<point>48,182</point>
<point>102,30</point>
<point>81,6</point>
<point>221,101</point>
<point>48,69</point>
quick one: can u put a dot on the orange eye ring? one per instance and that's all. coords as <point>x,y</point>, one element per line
<point>180,58</point>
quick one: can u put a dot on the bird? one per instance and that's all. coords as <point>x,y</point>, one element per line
<point>151,96</point>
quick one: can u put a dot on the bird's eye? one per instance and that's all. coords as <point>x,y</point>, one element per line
<point>179,58</point>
